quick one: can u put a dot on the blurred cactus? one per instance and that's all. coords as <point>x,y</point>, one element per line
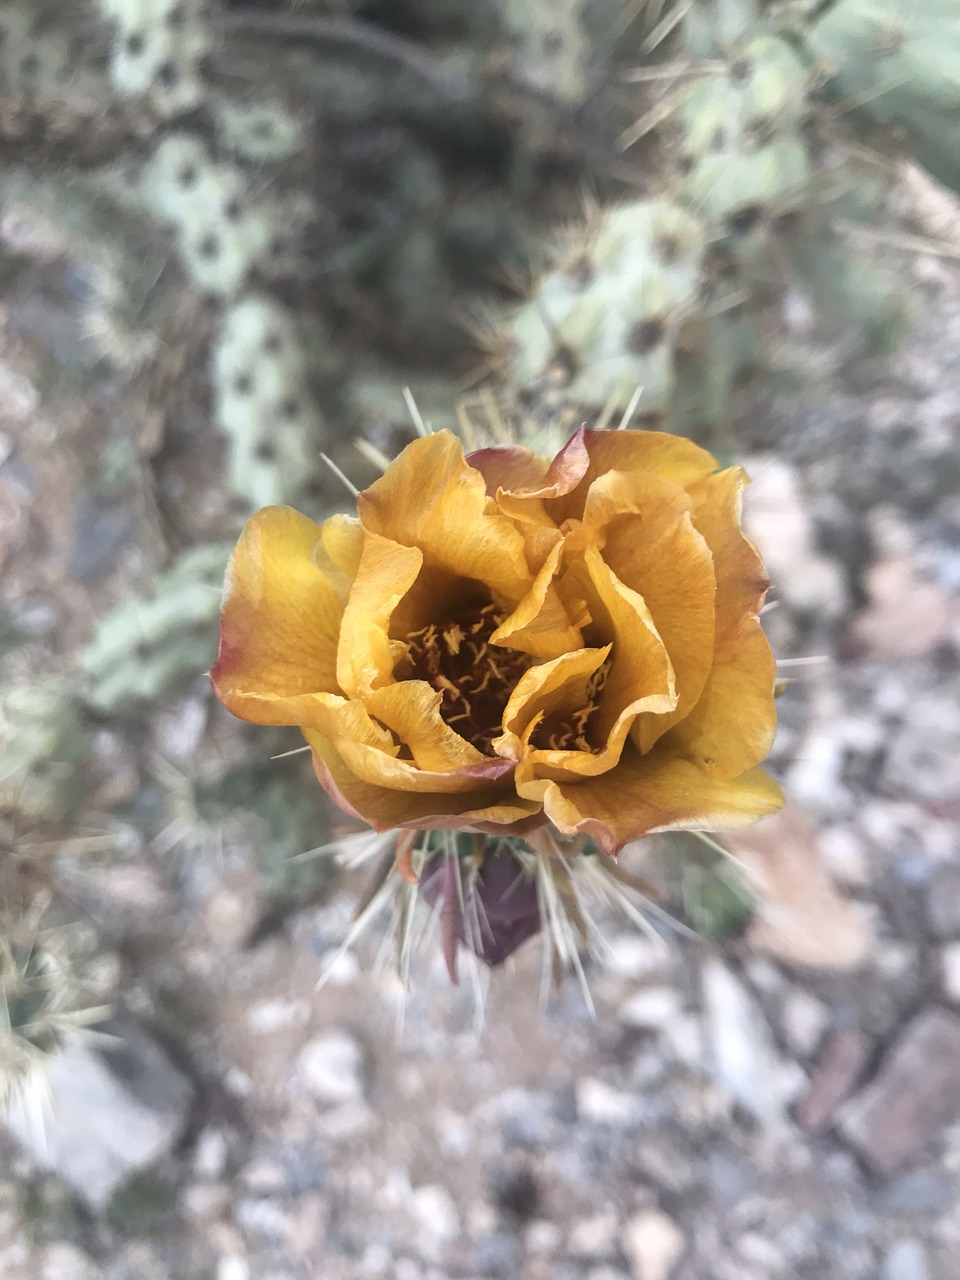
<point>43,741</point>
<point>145,648</point>
<point>898,65</point>
<point>604,320</point>
<point>53,982</point>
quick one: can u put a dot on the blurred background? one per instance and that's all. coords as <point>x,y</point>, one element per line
<point>235,236</point>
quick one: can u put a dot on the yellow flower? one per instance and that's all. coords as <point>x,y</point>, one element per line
<point>497,642</point>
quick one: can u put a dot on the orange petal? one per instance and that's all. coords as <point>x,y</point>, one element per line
<point>490,805</point>
<point>430,498</point>
<point>668,563</point>
<point>656,792</point>
<point>411,710</point>
<point>279,624</point>
<point>366,654</point>
<point>540,624</point>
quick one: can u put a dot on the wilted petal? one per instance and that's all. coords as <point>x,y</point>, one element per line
<point>432,499</point>
<point>656,792</point>
<point>280,623</point>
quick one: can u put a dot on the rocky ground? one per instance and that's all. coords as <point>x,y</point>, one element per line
<point>782,1106</point>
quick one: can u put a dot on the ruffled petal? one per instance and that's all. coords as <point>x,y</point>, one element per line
<point>555,687</point>
<point>656,792</point>
<point>430,498</point>
<point>279,624</point>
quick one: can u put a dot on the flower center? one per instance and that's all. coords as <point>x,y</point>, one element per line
<point>475,678</point>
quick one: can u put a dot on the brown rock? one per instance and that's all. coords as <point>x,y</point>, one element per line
<point>833,1078</point>
<point>915,1093</point>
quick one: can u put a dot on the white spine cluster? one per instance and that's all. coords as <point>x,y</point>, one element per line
<point>223,228</point>
<point>158,50</point>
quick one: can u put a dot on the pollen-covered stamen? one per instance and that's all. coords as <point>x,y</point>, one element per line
<point>569,730</point>
<point>475,677</point>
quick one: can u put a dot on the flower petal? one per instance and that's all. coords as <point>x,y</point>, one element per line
<point>656,792</point>
<point>430,498</point>
<point>411,710</point>
<point>540,624</point>
<point>733,724</point>
<point>509,466</point>
<point>669,457</point>
<point>556,686</point>
<point>279,624</point>
<point>366,654</point>
<point>668,563</point>
<point>488,806</point>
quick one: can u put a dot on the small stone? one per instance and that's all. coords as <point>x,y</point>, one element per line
<point>916,1092</point>
<point>600,1103</point>
<point>435,1211</point>
<point>110,1113</point>
<point>833,1078</point>
<point>274,1015</point>
<point>593,1237</point>
<point>804,1020</point>
<point>542,1238</point>
<point>845,856</point>
<point>331,1068</point>
<point>210,1154</point>
<point>746,1061</point>
<point>651,1008</point>
<point>233,1268</point>
<point>496,1255</point>
<point>653,1243</point>
<point>62,1261</point>
<point>206,1201</point>
<point>905,1260</point>
<point>950,972</point>
<point>918,1193</point>
<point>634,956</point>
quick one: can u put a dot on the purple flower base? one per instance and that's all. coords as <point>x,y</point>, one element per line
<point>507,911</point>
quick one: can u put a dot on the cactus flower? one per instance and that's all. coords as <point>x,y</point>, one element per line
<point>500,642</point>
